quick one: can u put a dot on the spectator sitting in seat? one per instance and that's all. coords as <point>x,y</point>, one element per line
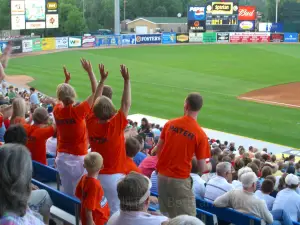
<point>266,171</point>
<point>11,93</point>
<point>134,195</point>
<point>267,188</point>
<point>184,220</point>
<point>133,144</point>
<point>15,173</point>
<point>51,145</point>
<point>38,133</point>
<point>145,126</point>
<point>198,183</point>
<point>288,199</point>
<point>212,164</point>
<point>94,206</point>
<point>219,184</point>
<point>237,184</point>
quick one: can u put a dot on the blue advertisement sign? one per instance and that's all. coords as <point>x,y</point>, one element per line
<point>196,13</point>
<point>277,27</point>
<point>148,39</point>
<point>168,38</point>
<point>128,39</point>
<point>290,37</point>
<point>108,40</point>
<point>2,46</point>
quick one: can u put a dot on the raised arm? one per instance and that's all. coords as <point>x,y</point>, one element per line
<point>87,66</point>
<point>2,73</point>
<point>67,75</point>
<point>126,98</point>
<point>103,77</point>
<point>6,54</point>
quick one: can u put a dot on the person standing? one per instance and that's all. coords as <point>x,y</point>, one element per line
<point>34,99</point>
<point>180,140</point>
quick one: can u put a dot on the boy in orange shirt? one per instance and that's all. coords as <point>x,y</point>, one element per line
<point>133,144</point>
<point>94,206</point>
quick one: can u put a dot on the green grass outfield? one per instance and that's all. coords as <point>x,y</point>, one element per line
<point>162,76</point>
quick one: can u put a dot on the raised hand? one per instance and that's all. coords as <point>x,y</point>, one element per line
<point>8,49</point>
<point>86,65</point>
<point>124,72</point>
<point>67,75</point>
<point>103,73</point>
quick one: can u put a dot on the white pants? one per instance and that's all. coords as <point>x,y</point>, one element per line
<point>109,183</point>
<point>70,168</point>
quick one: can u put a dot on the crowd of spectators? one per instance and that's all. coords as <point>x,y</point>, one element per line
<point>112,164</point>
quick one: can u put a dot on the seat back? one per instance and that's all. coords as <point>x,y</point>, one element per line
<point>206,217</point>
<point>62,201</point>
<point>229,215</point>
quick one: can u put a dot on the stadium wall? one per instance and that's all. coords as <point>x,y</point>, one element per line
<point>47,44</point>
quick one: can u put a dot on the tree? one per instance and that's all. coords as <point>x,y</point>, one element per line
<point>161,11</point>
<point>4,15</point>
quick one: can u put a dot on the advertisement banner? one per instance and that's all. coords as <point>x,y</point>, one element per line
<point>196,37</point>
<point>2,46</point>
<point>246,25</point>
<point>75,42</point>
<point>182,38</point>
<point>61,42</point>
<point>222,37</point>
<point>197,26</point>
<point>277,28</point>
<point>27,45</point>
<point>128,39</point>
<point>37,44</point>
<point>108,40</point>
<point>16,46</point>
<point>277,37</point>
<point>290,37</point>
<point>168,38</point>
<point>48,44</point>
<point>210,37</point>
<point>264,27</point>
<point>245,37</point>
<point>148,39</point>
<point>88,41</point>
<point>196,13</point>
<point>247,13</point>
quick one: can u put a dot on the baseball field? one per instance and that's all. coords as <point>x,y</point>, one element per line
<point>249,90</point>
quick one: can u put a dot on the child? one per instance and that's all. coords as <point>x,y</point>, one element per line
<point>133,144</point>
<point>94,206</point>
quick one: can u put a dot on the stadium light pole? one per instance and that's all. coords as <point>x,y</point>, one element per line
<point>117,17</point>
<point>276,14</point>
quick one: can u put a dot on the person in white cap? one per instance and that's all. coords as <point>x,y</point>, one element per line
<point>288,199</point>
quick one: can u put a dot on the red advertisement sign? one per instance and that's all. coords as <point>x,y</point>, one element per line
<point>88,41</point>
<point>249,37</point>
<point>247,13</point>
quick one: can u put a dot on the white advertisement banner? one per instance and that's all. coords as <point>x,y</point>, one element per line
<point>27,45</point>
<point>17,7</point>
<point>52,21</point>
<point>61,42</point>
<point>196,37</point>
<point>17,22</point>
<point>74,41</point>
<point>35,25</point>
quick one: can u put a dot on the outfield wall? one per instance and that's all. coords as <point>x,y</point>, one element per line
<point>46,44</point>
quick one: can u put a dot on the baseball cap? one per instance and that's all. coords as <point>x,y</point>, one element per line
<point>40,115</point>
<point>291,179</point>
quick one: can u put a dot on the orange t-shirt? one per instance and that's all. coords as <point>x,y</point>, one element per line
<point>108,140</point>
<point>131,166</point>
<point>91,195</point>
<point>183,138</point>
<point>71,128</point>
<point>19,120</point>
<point>36,143</point>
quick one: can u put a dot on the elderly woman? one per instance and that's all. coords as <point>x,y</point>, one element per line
<point>15,186</point>
<point>134,195</point>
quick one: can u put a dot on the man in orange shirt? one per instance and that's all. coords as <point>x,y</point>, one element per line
<point>181,139</point>
<point>94,206</point>
<point>38,133</point>
<point>106,128</point>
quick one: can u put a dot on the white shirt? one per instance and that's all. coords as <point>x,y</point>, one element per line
<point>51,145</point>
<point>206,177</point>
<point>216,187</point>
<point>236,184</point>
<point>198,186</point>
<point>288,200</point>
<point>269,200</point>
<point>135,218</point>
<point>3,86</point>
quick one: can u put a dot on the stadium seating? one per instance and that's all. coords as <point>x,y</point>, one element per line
<point>62,201</point>
<point>206,217</point>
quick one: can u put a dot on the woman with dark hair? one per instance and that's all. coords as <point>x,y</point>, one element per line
<point>145,126</point>
<point>16,134</point>
<point>15,186</point>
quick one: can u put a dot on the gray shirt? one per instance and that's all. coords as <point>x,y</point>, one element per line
<point>245,202</point>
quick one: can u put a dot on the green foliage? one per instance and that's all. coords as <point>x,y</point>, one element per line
<point>4,15</point>
<point>161,11</point>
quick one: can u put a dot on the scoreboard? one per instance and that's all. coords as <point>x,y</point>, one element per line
<point>222,20</point>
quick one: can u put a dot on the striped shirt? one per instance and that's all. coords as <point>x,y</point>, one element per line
<point>216,187</point>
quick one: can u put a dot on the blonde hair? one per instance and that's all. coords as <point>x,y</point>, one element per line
<point>104,109</point>
<point>19,109</point>
<point>66,93</point>
<point>93,162</point>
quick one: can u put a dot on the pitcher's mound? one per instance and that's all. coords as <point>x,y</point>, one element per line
<point>287,95</point>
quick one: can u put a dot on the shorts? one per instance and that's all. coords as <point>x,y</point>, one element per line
<point>176,196</point>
